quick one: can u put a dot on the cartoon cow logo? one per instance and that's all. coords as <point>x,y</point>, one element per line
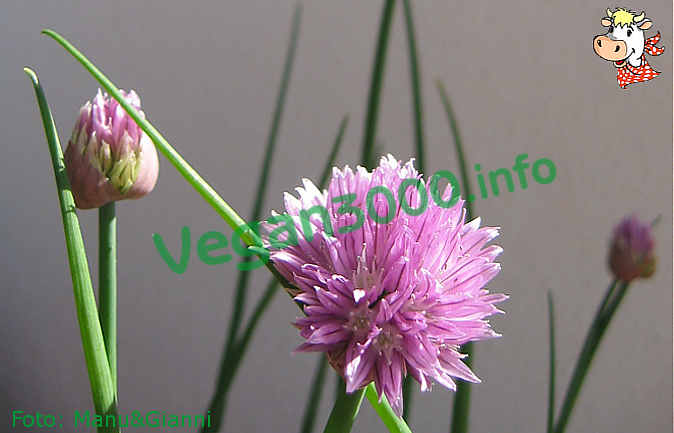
<point>624,44</point>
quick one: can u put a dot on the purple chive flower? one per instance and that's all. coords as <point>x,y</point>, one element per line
<point>109,157</point>
<point>632,250</point>
<point>390,298</point>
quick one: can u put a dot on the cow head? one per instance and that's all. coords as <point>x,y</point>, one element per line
<point>624,39</point>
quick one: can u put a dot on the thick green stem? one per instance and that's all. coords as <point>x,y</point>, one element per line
<point>102,390</point>
<point>376,84</point>
<point>107,256</point>
<point>344,412</point>
<point>614,296</point>
<point>393,422</point>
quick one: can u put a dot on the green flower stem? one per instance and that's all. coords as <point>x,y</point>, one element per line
<point>191,176</point>
<point>393,422</point>
<point>607,309</point>
<point>461,410</point>
<point>107,256</point>
<point>553,359</point>
<point>314,399</point>
<point>376,84</point>
<point>102,389</point>
<point>344,412</point>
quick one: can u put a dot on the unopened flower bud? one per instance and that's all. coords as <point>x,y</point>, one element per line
<point>632,246</point>
<point>109,157</point>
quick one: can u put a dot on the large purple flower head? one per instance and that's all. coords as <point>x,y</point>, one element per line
<point>390,275</point>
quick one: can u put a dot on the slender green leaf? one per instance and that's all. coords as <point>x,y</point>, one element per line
<point>553,357</point>
<point>376,84</point>
<point>393,422</point>
<point>102,389</point>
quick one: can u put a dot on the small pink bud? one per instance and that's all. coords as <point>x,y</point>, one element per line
<point>632,248</point>
<point>109,157</point>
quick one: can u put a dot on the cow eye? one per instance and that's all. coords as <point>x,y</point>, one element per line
<point>629,33</point>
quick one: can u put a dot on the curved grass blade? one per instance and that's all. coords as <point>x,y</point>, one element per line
<point>102,389</point>
<point>191,176</point>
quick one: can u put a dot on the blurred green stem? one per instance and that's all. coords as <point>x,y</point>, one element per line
<point>552,372</point>
<point>417,114</point>
<point>461,410</point>
<point>242,283</point>
<point>231,359</point>
<point>314,398</point>
<point>376,84</point>
<point>458,146</point>
<point>415,78</point>
<point>607,309</point>
<point>102,390</point>
<point>107,256</point>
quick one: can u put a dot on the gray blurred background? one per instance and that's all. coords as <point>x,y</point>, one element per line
<point>523,79</point>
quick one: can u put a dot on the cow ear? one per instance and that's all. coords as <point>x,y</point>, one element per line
<point>646,25</point>
<point>606,22</point>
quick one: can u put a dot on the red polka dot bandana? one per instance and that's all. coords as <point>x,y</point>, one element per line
<point>628,74</point>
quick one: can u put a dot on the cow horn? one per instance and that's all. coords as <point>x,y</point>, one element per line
<point>639,17</point>
<point>609,13</point>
